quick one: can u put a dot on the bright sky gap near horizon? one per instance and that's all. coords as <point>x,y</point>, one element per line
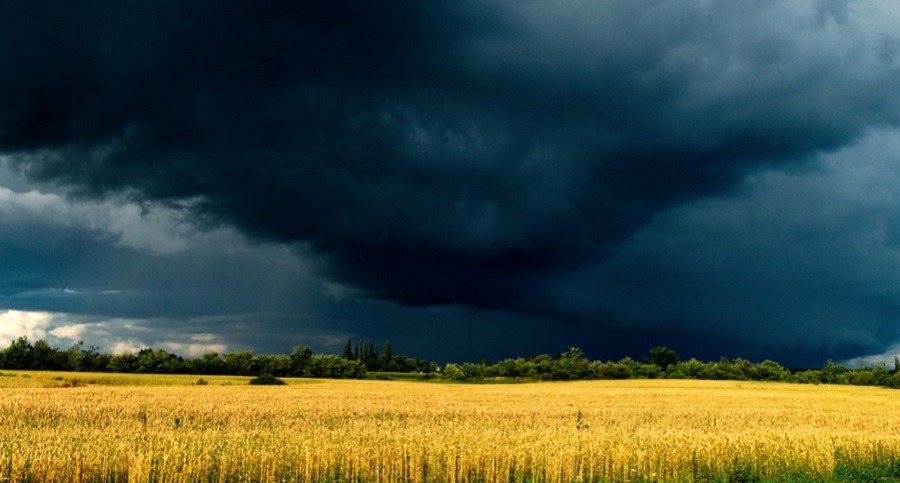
<point>465,179</point>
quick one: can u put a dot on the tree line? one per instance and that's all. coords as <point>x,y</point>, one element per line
<point>358,360</point>
<point>301,362</point>
<point>664,363</point>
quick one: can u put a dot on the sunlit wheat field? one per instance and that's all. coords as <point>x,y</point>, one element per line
<point>165,429</point>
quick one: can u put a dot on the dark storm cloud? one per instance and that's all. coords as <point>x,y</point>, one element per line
<point>798,266</point>
<point>434,152</point>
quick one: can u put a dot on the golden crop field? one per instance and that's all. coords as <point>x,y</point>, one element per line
<point>413,431</point>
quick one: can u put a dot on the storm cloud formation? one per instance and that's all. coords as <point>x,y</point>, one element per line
<point>490,155</point>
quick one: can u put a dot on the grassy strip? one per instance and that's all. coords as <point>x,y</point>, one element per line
<point>58,379</point>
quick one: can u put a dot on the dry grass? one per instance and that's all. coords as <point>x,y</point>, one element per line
<point>400,431</point>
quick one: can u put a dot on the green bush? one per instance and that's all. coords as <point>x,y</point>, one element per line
<point>266,380</point>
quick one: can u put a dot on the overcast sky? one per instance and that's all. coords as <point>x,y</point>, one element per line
<point>466,179</point>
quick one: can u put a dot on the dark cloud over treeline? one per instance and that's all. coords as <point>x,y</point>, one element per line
<point>437,152</point>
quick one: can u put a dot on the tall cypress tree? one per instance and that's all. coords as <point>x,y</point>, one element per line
<point>388,352</point>
<point>348,350</point>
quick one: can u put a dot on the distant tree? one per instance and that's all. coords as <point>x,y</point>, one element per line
<point>453,372</point>
<point>261,364</point>
<point>348,349</point>
<point>894,380</point>
<point>770,371</point>
<point>18,355</point>
<point>73,356</point>
<point>333,367</point>
<point>510,368</point>
<point>882,374</point>
<point>571,365</point>
<point>649,371</point>
<point>862,376</point>
<point>42,356</point>
<point>689,369</point>
<point>724,369</point>
<point>662,357</point>
<point>239,363</point>
<point>280,365</point>
<point>834,373</point>
<point>209,364</point>
<point>159,362</point>
<point>402,363</point>
<point>611,370</point>
<point>542,366</point>
<point>300,358</point>
<point>388,355</point>
<point>367,352</point>
<point>742,369</point>
<point>472,371</point>
<point>810,376</point>
<point>92,360</point>
<point>123,363</point>
<point>426,367</point>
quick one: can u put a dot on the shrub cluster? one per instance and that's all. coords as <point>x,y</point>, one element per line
<point>266,380</point>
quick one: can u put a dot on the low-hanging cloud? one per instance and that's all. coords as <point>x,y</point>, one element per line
<point>148,227</point>
<point>457,153</point>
